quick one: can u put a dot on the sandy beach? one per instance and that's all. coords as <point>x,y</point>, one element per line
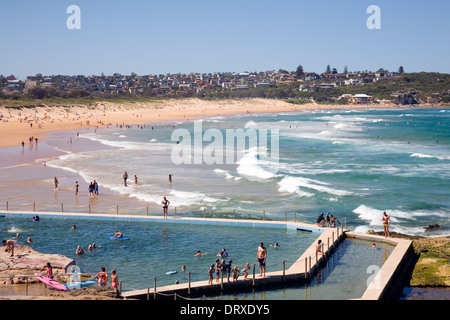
<point>19,124</point>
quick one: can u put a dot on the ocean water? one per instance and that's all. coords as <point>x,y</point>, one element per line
<point>352,163</point>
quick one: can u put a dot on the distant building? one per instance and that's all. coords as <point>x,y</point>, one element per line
<point>360,99</point>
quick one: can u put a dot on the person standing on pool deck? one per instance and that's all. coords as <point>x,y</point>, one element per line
<point>386,223</point>
<point>165,205</point>
<point>261,257</point>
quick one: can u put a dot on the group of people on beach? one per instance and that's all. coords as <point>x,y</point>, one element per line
<point>93,188</point>
<point>31,140</point>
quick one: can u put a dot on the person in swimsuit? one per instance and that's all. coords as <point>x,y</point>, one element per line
<point>320,220</point>
<point>117,234</point>
<point>245,270</point>
<point>79,250</point>
<point>165,205</point>
<point>49,270</point>
<point>218,268</point>
<point>261,257</point>
<point>223,253</point>
<point>77,186</point>
<point>319,247</point>
<point>102,277</point>
<point>114,280</point>
<point>386,223</point>
<point>10,244</point>
<point>125,178</point>
<point>210,273</point>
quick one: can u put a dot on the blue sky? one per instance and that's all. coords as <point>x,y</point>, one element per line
<point>153,37</point>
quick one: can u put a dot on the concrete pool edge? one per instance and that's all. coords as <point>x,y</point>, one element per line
<point>389,281</point>
<point>387,284</point>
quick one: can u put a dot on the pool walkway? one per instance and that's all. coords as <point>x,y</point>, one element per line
<point>301,271</point>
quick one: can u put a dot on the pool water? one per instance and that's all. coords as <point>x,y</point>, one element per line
<point>345,276</point>
<point>156,248</point>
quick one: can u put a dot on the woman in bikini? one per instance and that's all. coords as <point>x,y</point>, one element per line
<point>386,223</point>
<point>165,205</point>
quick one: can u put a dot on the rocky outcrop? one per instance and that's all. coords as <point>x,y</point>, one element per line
<point>27,261</point>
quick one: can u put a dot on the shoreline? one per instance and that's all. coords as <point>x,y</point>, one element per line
<point>20,123</point>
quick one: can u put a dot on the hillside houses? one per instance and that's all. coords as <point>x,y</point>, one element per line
<point>183,84</point>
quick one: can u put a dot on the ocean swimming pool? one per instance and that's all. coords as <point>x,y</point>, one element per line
<point>345,275</point>
<point>156,248</point>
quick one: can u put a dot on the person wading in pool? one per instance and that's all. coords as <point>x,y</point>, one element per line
<point>165,205</point>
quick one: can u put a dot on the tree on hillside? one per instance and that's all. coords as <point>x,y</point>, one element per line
<point>345,70</point>
<point>299,72</point>
<point>401,70</point>
<point>328,69</point>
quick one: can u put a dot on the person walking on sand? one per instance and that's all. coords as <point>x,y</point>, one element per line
<point>77,186</point>
<point>261,257</point>
<point>55,180</point>
<point>165,205</point>
<point>386,223</point>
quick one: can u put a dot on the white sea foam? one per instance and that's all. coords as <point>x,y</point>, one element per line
<point>226,174</point>
<point>128,144</point>
<point>251,166</point>
<point>251,124</point>
<point>421,155</point>
<point>293,185</point>
<point>373,216</point>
